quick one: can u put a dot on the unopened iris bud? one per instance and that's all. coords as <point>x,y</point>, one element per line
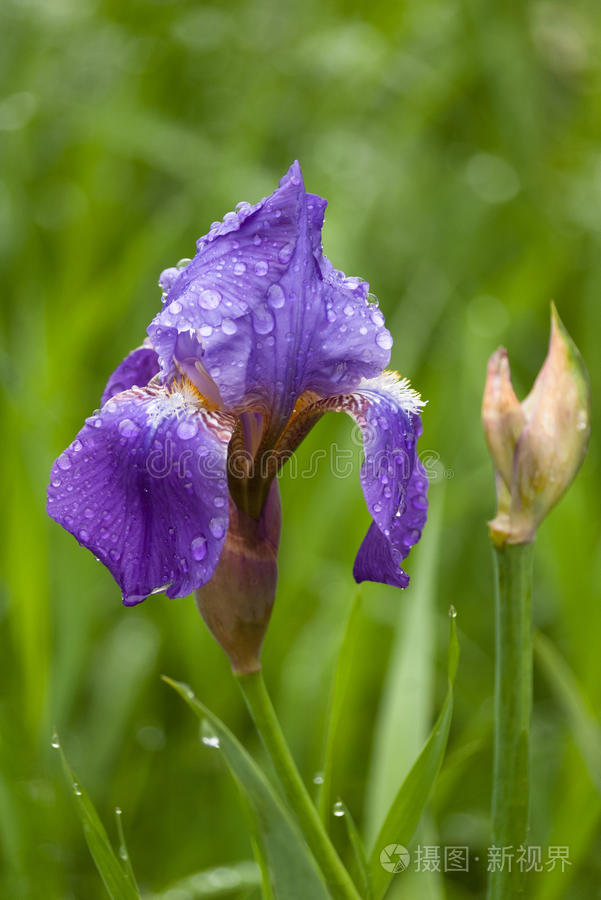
<point>537,446</point>
<point>236,604</point>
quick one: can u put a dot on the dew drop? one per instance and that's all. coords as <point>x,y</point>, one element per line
<point>84,535</point>
<point>263,321</point>
<point>228,326</point>
<point>384,340</point>
<point>199,548</point>
<point>349,310</point>
<point>76,446</point>
<point>127,428</point>
<point>261,268</point>
<point>338,809</point>
<point>209,299</point>
<point>187,429</point>
<point>285,254</point>
<point>240,268</point>
<point>318,778</point>
<point>175,307</point>
<point>452,612</point>
<point>257,240</point>
<point>205,330</point>
<point>55,743</point>
<point>217,527</point>
<point>208,736</point>
<point>56,482</point>
<point>276,296</point>
<point>76,789</point>
<point>88,512</point>
<point>183,263</point>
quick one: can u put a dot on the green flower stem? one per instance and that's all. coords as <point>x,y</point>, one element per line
<point>261,709</point>
<point>513,709</point>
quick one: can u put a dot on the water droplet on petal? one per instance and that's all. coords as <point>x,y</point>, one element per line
<point>349,310</point>
<point>209,299</point>
<point>199,548</point>
<point>187,429</point>
<point>127,428</point>
<point>175,307</point>
<point>257,240</point>
<point>88,512</point>
<point>228,326</point>
<point>217,527</point>
<point>276,296</point>
<point>384,340</point>
<point>76,446</point>
<point>240,268</point>
<point>285,254</point>
<point>261,268</point>
<point>84,535</point>
<point>183,263</point>
<point>205,330</point>
<point>263,320</point>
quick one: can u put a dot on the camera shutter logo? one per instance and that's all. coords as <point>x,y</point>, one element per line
<point>395,858</point>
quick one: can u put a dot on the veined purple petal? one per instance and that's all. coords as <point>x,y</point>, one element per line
<point>393,479</point>
<point>137,368</point>
<point>270,315</point>
<point>144,487</point>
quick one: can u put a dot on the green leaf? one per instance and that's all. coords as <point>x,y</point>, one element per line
<point>584,724</point>
<point>409,803</point>
<point>341,681</point>
<point>341,810</point>
<point>117,878</point>
<point>218,882</point>
<point>292,872</point>
<point>408,690</point>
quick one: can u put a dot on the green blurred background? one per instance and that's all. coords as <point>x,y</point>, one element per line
<point>459,146</point>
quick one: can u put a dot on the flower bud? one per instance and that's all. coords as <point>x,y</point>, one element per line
<point>537,446</point>
<point>236,604</point>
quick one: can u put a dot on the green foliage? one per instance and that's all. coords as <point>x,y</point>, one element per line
<point>457,144</point>
<point>115,870</point>
<point>289,871</point>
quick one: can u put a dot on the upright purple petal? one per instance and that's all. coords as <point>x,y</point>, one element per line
<point>137,368</point>
<point>270,315</point>
<point>144,487</point>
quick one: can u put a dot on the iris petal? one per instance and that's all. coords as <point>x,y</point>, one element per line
<point>144,487</point>
<point>271,316</point>
<point>137,368</point>
<point>393,479</point>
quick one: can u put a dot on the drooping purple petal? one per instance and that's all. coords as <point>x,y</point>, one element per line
<point>137,368</point>
<point>393,479</point>
<point>144,487</point>
<point>379,557</point>
<point>270,315</point>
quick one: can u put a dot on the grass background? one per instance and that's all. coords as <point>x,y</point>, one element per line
<point>458,145</point>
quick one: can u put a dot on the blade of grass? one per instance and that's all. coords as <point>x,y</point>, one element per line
<point>116,877</point>
<point>407,808</point>
<point>292,870</point>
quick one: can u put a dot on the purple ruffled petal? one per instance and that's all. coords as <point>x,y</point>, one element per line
<point>393,479</point>
<point>137,368</point>
<point>144,487</point>
<point>270,315</point>
<point>379,557</point>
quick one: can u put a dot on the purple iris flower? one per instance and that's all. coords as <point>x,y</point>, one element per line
<point>257,338</point>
